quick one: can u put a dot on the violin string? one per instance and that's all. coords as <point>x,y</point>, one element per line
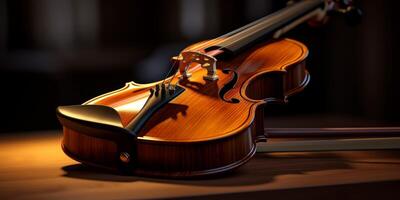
<point>169,71</point>
<point>201,46</point>
<point>274,17</point>
<point>206,44</point>
<point>237,36</point>
<point>172,78</point>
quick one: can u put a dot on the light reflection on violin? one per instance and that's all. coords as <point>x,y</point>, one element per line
<point>206,116</point>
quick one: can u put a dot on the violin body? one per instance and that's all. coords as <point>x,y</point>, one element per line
<point>212,127</point>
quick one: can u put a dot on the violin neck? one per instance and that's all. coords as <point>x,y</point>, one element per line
<point>271,26</point>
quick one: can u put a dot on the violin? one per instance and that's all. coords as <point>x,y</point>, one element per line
<point>206,117</point>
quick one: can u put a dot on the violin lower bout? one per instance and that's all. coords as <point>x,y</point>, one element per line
<point>193,144</point>
<point>161,159</point>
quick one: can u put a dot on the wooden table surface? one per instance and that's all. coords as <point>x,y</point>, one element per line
<point>33,166</point>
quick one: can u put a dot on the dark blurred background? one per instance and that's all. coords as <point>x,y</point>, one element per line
<point>58,52</point>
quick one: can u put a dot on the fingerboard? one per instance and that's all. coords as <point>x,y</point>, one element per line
<point>243,37</point>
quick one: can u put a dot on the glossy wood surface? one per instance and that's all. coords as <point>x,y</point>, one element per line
<point>199,114</point>
<point>33,167</point>
<point>198,133</point>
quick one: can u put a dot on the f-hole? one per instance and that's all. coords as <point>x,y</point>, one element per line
<point>229,86</point>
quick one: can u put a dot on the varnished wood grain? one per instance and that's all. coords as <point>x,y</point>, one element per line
<point>33,166</point>
<point>198,133</point>
<point>198,113</point>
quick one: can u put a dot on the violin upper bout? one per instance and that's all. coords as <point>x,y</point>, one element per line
<point>280,71</point>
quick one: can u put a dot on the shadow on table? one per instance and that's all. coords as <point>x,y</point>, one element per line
<point>263,168</point>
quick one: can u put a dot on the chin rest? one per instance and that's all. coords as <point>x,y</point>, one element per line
<point>92,113</point>
<point>93,120</point>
